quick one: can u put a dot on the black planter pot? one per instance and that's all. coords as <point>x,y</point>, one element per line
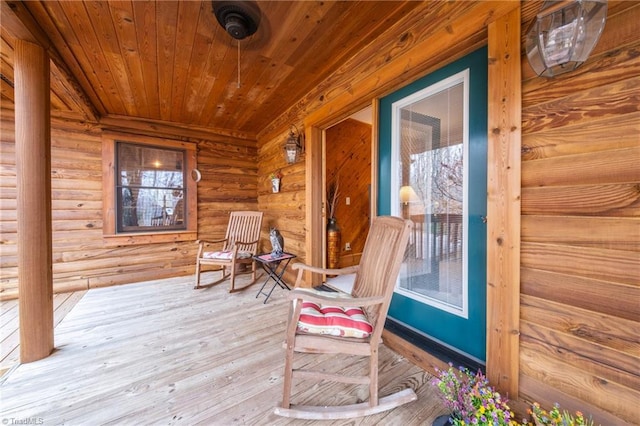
<point>443,420</point>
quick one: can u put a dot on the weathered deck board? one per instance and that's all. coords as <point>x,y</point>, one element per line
<point>160,352</point>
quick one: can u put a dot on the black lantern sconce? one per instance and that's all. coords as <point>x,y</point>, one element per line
<point>564,34</point>
<point>293,147</point>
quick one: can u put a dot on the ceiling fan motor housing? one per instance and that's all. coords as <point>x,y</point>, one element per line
<point>239,18</point>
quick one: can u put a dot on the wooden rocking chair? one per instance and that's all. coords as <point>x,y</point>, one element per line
<point>309,331</point>
<point>236,250</point>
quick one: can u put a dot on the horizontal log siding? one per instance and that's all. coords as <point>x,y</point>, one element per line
<point>81,260</point>
<point>580,271</point>
<point>284,210</point>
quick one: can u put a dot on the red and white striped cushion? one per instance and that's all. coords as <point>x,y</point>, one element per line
<point>225,255</point>
<point>334,321</point>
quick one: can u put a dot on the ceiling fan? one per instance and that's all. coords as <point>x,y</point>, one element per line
<point>239,18</point>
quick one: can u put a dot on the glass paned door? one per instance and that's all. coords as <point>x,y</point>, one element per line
<point>433,140</point>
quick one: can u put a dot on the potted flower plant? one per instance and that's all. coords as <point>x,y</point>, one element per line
<point>275,180</point>
<point>472,401</point>
<point>557,418</point>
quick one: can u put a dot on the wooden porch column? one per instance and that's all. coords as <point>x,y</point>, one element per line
<point>503,203</point>
<point>33,170</point>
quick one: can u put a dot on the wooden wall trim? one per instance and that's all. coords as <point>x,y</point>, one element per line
<point>314,222</point>
<point>165,129</point>
<point>414,354</point>
<point>375,141</point>
<point>503,203</point>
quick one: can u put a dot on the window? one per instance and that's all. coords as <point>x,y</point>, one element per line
<point>150,188</point>
<point>149,195</point>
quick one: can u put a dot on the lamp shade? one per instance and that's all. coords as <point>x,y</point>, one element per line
<point>408,195</point>
<point>564,34</point>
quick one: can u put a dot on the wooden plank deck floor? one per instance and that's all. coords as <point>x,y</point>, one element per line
<point>161,352</point>
<point>10,333</point>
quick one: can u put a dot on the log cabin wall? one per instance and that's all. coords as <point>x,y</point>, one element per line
<point>580,269</point>
<point>348,156</point>
<point>284,210</point>
<point>81,259</point>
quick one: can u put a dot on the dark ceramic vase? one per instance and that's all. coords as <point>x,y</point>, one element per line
<point>333,244</point>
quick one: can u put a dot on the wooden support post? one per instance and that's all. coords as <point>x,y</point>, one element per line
<point>33,172</point>
<point>315,226</point>
<point>503,203</point>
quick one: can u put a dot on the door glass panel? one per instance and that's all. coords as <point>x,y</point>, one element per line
<point>430,185</point>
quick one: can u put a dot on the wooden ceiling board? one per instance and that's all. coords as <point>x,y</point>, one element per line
<point>189,58</point>
<point>124,78</point>
<point>55,24</point>
<point>122,16</point>
<point>166,30</point>
<point>145,25</point>
<point>6,69</point>
<point>439,30</point>
<point>6,93</point>
<point>170,61</point>
<point>349,36</point>
<point>86,47</point>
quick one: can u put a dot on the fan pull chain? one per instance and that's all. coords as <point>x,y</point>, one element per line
<point>238,64</point>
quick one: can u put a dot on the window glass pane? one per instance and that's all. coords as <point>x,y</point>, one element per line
<point>150,188</point>
<point>431,179</point>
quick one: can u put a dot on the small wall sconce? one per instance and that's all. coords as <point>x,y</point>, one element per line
<point>293,147</point>
<point>564,34</point>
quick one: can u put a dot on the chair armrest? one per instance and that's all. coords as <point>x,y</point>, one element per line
<point>210,241</point>
<point>341,271</point>
<point>310,295</point>
<point>246,243</point>
<point>202,243</point>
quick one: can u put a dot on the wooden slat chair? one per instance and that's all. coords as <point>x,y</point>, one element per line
<point>309,332</point>
<point>237,248</point>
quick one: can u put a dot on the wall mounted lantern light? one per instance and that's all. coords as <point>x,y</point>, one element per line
<point>564,34</point>
<point>293,147</point>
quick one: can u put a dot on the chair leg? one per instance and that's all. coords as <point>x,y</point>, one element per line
<point>233,278</point>
<point>288,377</point>
<point>373,378</point>
<point>197,274</point>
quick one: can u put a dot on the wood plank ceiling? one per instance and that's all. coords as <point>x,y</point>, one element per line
<point>171,61</point>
